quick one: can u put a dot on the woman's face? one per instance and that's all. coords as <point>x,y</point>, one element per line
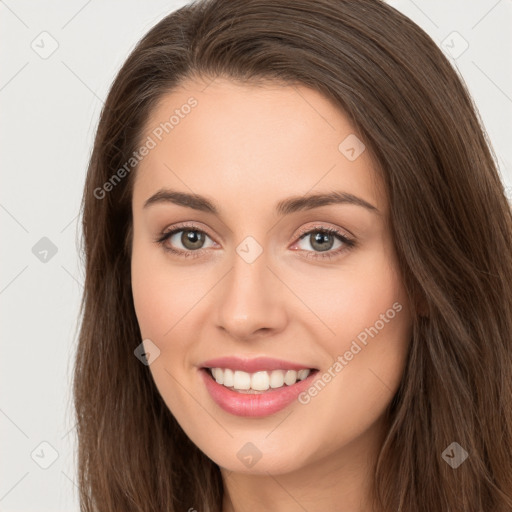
<point>257,279</point>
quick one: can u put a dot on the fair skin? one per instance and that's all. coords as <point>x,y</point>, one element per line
<point>246,148</point>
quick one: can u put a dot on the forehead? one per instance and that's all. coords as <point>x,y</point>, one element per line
<point>253,144</point>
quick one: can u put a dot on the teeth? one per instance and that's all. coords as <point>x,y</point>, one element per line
<point>259,381</point>
<point>302,374</point>
<point>228,377</point>
<point>276,379</point>
<point>290,377</point>
<point>241,380</point>
<point>218,375</point>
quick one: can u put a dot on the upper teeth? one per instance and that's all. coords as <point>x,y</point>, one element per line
<point>259,381</point>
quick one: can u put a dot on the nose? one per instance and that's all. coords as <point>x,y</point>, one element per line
<point>251,302</point>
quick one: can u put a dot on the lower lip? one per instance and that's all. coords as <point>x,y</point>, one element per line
<point>254,405</point>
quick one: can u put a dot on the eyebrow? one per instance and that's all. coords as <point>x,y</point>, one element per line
<point>284,207</point>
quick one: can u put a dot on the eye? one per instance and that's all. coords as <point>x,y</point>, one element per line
<point>192,241</point>
<point>323,240</point>
<point>187,241</point>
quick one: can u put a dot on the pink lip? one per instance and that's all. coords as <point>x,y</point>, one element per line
<point>253,405</point>
<point>253,365</point>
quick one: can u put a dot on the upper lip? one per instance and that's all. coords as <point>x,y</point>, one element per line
<point>255,364</point>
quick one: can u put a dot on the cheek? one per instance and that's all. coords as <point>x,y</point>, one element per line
<point>162,293</point>
<point>162,298</point>
<point>353,297</point>
<point>151,301</point>
<point>366,310</point>
<point>370,322</point>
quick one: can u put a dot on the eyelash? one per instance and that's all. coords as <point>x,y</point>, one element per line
<point>348,243</point>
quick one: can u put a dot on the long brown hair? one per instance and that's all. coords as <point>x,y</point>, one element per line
<point>451,225</point>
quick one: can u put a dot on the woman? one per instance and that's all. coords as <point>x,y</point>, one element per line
<point>298,255</point>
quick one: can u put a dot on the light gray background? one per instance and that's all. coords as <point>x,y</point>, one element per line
<point>50,108</point>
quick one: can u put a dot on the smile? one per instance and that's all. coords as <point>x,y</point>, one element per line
<point>254,388</point>
<point>259,381</point>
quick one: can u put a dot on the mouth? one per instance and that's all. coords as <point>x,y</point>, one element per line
<point>255,394</point>
<point>258,382</point>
